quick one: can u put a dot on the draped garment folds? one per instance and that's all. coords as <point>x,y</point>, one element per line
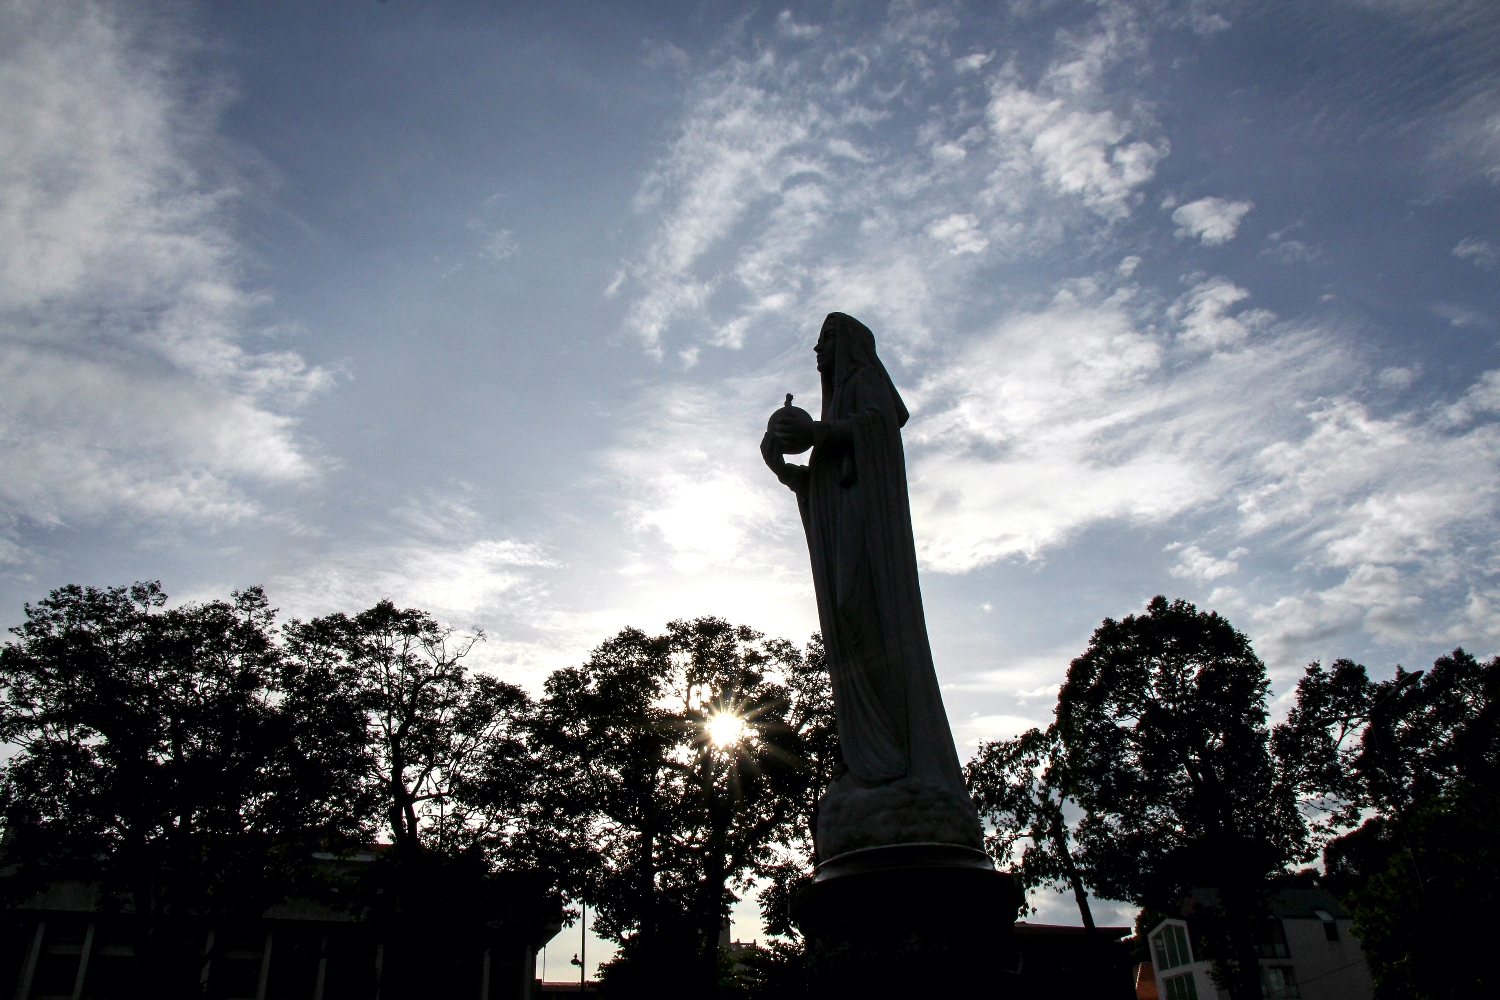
<point>855,510</point>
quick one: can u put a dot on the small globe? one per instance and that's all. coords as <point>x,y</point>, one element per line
<point>799,421</point>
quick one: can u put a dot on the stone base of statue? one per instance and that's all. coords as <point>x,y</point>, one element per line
<point>910,920</point>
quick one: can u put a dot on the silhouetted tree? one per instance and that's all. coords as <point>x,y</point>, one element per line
<point>433,733</point>
<point>1020,787</point>
<point>166,754</point>
<point>1421,752</point>
<point>677,812</point>
<point>428,723</point>
<point>1163,720</point>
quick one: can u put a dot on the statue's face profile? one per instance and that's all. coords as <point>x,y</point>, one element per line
<point>824,350</point>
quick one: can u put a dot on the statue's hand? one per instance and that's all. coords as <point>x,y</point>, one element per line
<point>771,452</point>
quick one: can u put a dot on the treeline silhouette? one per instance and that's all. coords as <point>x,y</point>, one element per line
<point>203,762</point>
<point>1162,754</point>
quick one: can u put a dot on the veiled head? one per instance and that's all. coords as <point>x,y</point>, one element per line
<point>845,346</point>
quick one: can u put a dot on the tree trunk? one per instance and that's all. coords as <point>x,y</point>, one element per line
<point>1075,880</point>
<point>1239,916</point>
<point>711,893</point>
<point>646,887</point>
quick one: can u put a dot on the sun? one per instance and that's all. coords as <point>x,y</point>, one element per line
<point>725,729</point>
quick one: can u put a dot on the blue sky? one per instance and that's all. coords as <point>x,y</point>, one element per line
<point>483,306</point>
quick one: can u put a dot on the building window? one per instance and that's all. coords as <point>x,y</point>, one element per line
<point>1171,947</point>
<point>1181,987</point>
<point>1278,983</point>
<point>1271,942</point>
<point>1330,926</point>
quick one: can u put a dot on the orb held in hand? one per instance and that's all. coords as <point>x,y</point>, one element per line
<point>792,428</point>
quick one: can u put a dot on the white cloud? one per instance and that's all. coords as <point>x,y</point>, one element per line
<point>973,63</point>
<point>1198,564</point>
<point>1035,420</point>
<point>1477,250</point>
<point>449,579</point>
<point>450,567</point>
<point>1431,16</point>
<point>1213,221</point>
<point>735,149</point>
<point>1396,377</point>
<point>692,483</point>
<point>494,244</point>
<point>1400,506</point>
<point>1205,318</point>
<point>788,27</point>
<point>122,318</point>
<point>1290,251</point>
<point>1462,316</point>
<point>1066,417</point>
<point>1205,18</point>
<point>1090,410</point>
<point>1286,250</point>
<point>961,232</point>
<point>1058,133</point>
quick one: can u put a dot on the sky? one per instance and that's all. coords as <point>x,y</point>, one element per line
<point>482,307</point>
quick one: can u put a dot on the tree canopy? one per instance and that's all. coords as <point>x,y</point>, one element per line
<point>196,760</point>
<point>1161,744</point>
<point>1020,787</point>
<point>171,756</point>
<point>193,760</point>
<point>1400,775</point>
<point>685,763</point>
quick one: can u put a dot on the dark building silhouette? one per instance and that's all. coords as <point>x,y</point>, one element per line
<point>62,945</point>
<point>1065,962</point>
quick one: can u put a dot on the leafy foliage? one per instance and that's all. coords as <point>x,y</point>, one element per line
<point>670,825</point>
<point>1020,787</point>
<point>169,755</point>
<point>1418,755</point>
<point>428,724</point>
<point>1164,723</point>
<point>198,759</point>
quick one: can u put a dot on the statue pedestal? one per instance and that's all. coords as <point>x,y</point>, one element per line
<point>909,921</point>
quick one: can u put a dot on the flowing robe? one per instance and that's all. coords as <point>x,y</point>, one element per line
<point>904,782</point>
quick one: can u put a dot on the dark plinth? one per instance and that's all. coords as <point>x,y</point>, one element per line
<point>913,920</point>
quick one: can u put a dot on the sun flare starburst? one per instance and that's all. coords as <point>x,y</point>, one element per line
<point>725,729</point>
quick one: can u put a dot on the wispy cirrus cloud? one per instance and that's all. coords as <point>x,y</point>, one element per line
<point>1477,250</point>
<point>1104,407</point>
<point>1105,404</point>
<point>1039,417</point>
<point>784,191</point>
<point>125,326</point>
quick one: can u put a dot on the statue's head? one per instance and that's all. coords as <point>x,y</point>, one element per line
<point>846,345</point>
<point>844,341</point>
<point>825,347</point>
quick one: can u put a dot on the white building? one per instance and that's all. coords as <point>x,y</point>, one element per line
<point>1308,954</point>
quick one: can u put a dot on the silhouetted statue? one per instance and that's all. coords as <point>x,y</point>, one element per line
<point>903,784</point>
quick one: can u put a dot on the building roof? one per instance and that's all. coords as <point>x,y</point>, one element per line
<point>1070,930</point>
<point>1286,904</point>
<point>1294,904</point>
